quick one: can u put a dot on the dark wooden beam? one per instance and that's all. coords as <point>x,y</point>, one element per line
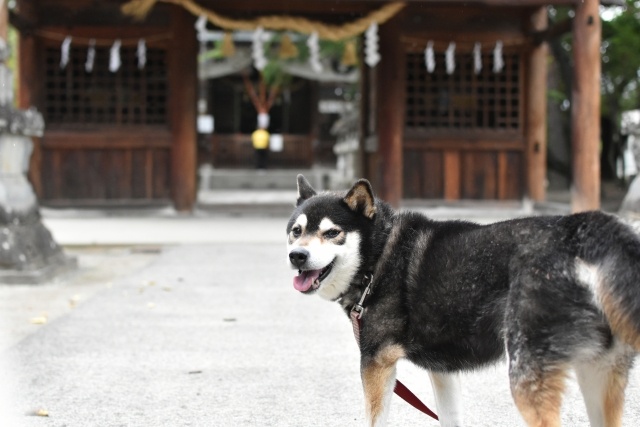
<point>339,6</point>
<point>71,13</point>
<point>585,107</point>
<point>536,125</point>
<point>292,8</point>
<point>24,17</point>
<point>390,114</point>
<point>21,23</point>
<point>183,81</point>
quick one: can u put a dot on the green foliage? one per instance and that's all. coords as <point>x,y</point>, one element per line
<point>557,96</point>
<point>620,88</point>
<point>621,57</point>
<point>274,73</point>
<point>12,62</point>
<point>328,48</point>
<point>215,53</point>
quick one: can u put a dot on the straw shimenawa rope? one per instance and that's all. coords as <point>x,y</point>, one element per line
<point>140,8</point>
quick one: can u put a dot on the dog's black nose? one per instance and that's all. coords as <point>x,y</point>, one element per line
<point>298,257</point>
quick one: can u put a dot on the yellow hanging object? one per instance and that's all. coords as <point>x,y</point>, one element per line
<point>288,50</point>
<point>349,56</point>
<point>228,48</point>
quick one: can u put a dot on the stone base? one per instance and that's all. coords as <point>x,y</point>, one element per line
<point>631,203</point>
<point>28,253</point>
<point>41,275</point>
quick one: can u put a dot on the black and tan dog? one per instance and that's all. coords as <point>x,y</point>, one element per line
<point>557,293</point>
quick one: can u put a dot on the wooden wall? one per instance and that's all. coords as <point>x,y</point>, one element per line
<point>92,168</point>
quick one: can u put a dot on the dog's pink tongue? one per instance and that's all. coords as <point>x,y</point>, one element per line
<point>304,280</point>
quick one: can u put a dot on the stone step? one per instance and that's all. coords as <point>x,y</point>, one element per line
<point>271,179</point>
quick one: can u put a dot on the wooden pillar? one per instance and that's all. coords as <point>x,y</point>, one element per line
<point>364,122</point>
<point>585,107</point>
<point>314,134</point>
<point>29,93</point>
<point>390,110</point>
<point>4,20</point>
<point>537,112</point>
<point>183,82</point>
<point>29,81</point>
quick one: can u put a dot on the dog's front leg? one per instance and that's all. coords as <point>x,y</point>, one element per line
<point>446,388</point>
<point>378,379</point>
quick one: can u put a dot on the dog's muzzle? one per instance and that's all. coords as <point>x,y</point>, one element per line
<point>307,280</point>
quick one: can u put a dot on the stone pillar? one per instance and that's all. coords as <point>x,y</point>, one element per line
<point>28,253</point>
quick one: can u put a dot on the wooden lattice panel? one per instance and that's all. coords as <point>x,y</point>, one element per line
<point>463,100</point>
<point>130,96</point>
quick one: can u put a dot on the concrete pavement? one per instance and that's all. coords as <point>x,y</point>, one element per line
<point>193,321</point>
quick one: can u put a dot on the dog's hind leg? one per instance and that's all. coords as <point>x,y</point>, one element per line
<point>602,383</point>
<point>538,394</point>
<point>378,379</point>
<point>447,390</point>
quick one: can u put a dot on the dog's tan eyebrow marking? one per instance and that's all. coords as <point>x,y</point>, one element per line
<point>327,224</point>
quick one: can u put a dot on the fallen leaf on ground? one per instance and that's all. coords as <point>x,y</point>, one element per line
<point>42,413</point>
<point>74,300</point>
<point>39,320</point>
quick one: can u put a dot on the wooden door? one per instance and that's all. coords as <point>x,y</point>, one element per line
<point>463,131</point>
<point>107,138</point>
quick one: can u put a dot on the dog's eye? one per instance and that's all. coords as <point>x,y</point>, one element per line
<point>330,234</point>
<point>296,231</point>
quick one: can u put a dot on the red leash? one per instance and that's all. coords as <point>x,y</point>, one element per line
<point>406,395</point>
<point>400,389</point>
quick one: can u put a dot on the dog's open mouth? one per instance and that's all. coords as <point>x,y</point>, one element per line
<point>309,280</point>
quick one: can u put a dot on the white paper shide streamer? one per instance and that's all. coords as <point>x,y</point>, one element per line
<point>263,120</point>
<point>114,56</point>
<point>257,49</point>
<point>498,60</point>
<point>64,52</point>
<point>201,26</point>
<point>141,53</point>
<point>91,56</point>
<point>371,54</point>
<point>450,58</point>
<point>429,57</point>
<point>314,52</point>
<point>477,58</point>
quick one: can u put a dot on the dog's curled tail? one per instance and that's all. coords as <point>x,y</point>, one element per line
<point>616,280</point>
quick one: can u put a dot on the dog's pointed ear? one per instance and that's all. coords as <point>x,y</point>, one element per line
<point>360,198</point>
<point>305,190</point>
